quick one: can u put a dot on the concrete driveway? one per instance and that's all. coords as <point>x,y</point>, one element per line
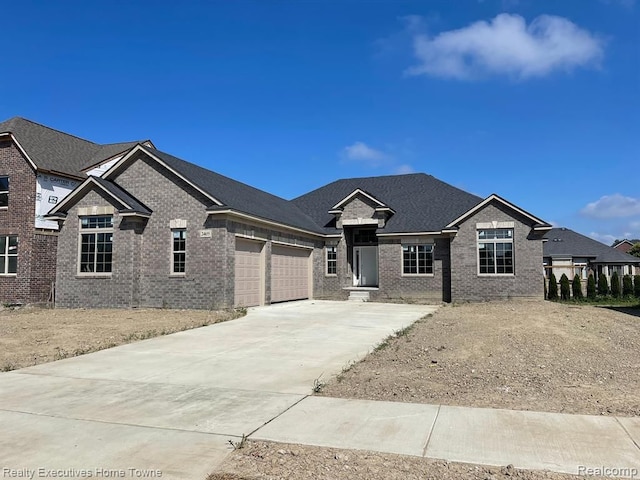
<point>171,404</point>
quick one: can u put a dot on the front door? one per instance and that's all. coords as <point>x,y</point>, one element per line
<point>365,266</point>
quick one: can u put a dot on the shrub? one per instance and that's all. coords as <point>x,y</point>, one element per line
<point>636,285</point>
<point>544,281</point>
<point>565,287</point>
<point>553,288</point>
<point>627,286</point>
<point>576,288</point>
<point>603,285</point>
<point>591,287</point>
<point>615,285</point>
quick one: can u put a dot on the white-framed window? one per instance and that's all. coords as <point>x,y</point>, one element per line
<point>417,259</point>
<point>4,191</point>
<point>8,254</point>
<point>495,251</point>
<point>332,260</point>
<point>96,245</point>
<point>178,251</point>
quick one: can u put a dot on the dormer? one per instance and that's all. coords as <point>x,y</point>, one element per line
<point>360,208</point>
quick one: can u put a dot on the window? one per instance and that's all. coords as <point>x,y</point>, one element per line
<point>332,261</point>
<point>96,245</point>
<point>495,251</point>
<point>4,191</point>
<point>179,250</point>
<point>417,259</point>
<point>365,236</point>
<point>8,255</point>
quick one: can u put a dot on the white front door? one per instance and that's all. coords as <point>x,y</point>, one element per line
<point>365,266</point>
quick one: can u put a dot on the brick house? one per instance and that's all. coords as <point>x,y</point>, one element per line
<point>39,166</point>
<point>158,231</point>
<point>570,253</point>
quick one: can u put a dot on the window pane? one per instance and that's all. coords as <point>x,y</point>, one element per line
<point>486,257</point>
<point>3,245</point>
<point>4,199</point>
<point>13,244</point>
<point>13,265</point>
<point>2,265</point>
<point>4,184</point>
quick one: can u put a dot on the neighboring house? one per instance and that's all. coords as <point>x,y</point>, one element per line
<point>39,167</point>
<point>625,245</point>
<point>157,231</point>
<point>571,253</point>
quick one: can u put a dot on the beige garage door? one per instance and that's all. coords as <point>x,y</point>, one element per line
<point>289,273</point>
<point>249,278</point>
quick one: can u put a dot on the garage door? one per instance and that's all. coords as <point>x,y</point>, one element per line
<point>289,273</point>
<point>248,273</point>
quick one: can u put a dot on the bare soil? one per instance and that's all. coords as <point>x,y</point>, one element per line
<point>29,336</point>
<point>540,356</point>
<point>520,355</point>
<point>263,460</point>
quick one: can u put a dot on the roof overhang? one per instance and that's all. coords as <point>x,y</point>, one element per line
<point>246,216</point>
<point>337,208</point>
<point>57,213</point>
<point>538,224</point>
<point>409,234</point>
<point>22,150</point>
<point>140,148</point>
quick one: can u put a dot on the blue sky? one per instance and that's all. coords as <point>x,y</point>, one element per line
<point>538,101</point>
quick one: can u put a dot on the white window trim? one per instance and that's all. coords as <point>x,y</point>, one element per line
<point>171,260</point>
<point>494,241</point>
<point>433,260</point>
<point>82,231</point>
<point>326,261</point>
<point>7,256</point>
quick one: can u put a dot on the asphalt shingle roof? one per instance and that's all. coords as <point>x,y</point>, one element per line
<point>240,196</point>
<point>57,151</point>
<point>422,202</point>
<point>123,196</point>
<point>562,241</point>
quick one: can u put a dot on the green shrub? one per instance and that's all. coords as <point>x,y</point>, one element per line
<point>603,285</point>
<point>636,285</point>
<point>627,286</point>
<point>565,287</point>
<point>615,285</point>
<point>576,288</point>
<point>591,287</point>
<point>544,281</point>
<point>553,288</point>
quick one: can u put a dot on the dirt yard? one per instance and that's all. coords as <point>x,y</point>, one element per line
<point>31,335</point>
<point>518,355</point>
<point>261,460</point>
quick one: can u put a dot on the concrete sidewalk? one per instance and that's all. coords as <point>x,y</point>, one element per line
<point>529,440</point>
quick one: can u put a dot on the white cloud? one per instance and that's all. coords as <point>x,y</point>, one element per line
<point>612,206</point>
<point>506,45</point>
<point>404,169</point>
<point>362,152</point>
<point>604,238</point>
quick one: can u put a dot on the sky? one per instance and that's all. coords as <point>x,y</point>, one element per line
<point>535,100</point>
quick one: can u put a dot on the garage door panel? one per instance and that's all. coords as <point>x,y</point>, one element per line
<point>290,269</point>
<point>248,273</point>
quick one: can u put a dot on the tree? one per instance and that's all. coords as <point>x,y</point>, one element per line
<point>635,250</point>
<point>565,287</point>
<point>603,285</point>
<point>636,285</point>
<point>627,286</point>
<point>615,285</point>
<point>591,287</point>
<point>576,288</point>
<point>553,288</point>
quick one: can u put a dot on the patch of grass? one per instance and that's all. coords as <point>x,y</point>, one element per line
<point>8,366</point>
<point>238,444</point>
<point>318,384</point>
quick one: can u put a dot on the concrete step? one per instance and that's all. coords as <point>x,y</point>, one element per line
<point>358,296</point>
